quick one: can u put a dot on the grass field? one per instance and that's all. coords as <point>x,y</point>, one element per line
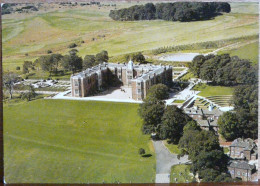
<point>172,148</point>
<point>207,90</point>
<point>74,142</point>
<point>249,51</point>
<point>181,173</point>
<point>55,30</point>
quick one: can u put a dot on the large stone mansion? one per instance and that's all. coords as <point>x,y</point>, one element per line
<point>139,77</point>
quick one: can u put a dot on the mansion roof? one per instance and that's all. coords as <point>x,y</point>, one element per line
<point>149,70</point>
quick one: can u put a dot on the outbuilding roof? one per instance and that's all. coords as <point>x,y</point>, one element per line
<point>241,165</point>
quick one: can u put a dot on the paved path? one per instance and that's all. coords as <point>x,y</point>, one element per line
<point>164,161</point>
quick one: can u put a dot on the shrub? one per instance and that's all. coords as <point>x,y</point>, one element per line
<point>49,51</point>
<point>18,68</point>
<point>72,45</point>
<point>141,151</point>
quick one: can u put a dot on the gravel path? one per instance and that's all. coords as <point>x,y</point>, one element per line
<point>164,161</point>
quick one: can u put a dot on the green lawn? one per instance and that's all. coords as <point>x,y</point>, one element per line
<point>57,141</point>
<point>249,51</point>
<point>181,173</point>
<point>207,90</point>
<point>187,76</point>
<point>226,150</point>
<point>172,148</point>
<point>178,101</point>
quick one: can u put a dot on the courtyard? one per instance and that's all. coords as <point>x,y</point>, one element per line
<point>115,94</point>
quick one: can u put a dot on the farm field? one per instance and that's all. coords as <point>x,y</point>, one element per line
<point>74,142</point>
<point>26,37</point>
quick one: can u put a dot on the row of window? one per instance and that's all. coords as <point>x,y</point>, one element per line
<point>239,173</point>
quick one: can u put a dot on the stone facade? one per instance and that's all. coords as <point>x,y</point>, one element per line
<point>244,149</point>
<point>139,77</point>
<point>241,169</point>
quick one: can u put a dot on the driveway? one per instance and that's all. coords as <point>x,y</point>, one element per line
<point>164,161</point>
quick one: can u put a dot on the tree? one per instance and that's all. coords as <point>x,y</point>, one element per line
<point>173,121</point>
<point>139,57</point>
<point>228,126</point>
<point>102,57</point>
<point>29,94</point>
<point>55,61</point>
<point>196,64</point>
<point>193,142</point>
<point>141,151</point>
<point>72,61</point>
<point>9,80</point>
<point>208,175</point>
<point>26,66</point>
<point>191,125</point>
<point>89,61</point>
<point>224,177</point>
<point>215,159</point>
<point>159,91</point>
<point>49,63</point>
<point>245,101</point>
<point>151,111</point>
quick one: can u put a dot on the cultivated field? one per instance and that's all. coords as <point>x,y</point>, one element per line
<point>74,142</point>
<point>55,29</point>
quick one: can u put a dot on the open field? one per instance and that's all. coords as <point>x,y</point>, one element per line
<point>207,90</point>
<point>181,173</point>
<point>74,142</point>
<point>249,51</point>
<point>55,30</point>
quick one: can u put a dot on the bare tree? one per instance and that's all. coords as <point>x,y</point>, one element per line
<point>9,79</point>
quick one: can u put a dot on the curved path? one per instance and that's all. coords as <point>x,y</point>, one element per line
<point>164,161</point>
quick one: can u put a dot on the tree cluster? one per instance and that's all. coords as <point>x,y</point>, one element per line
<point>203,149</point>
<point>29,94</point>
<point>178,11</point>
<point>136,57</point>
<point>56,63</point>
<point>243,122</point>
<point>93,60</point>
<point>224,70</point>
<point>168,122</point>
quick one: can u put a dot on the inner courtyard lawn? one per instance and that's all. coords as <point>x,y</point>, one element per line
<point>51,141</point>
